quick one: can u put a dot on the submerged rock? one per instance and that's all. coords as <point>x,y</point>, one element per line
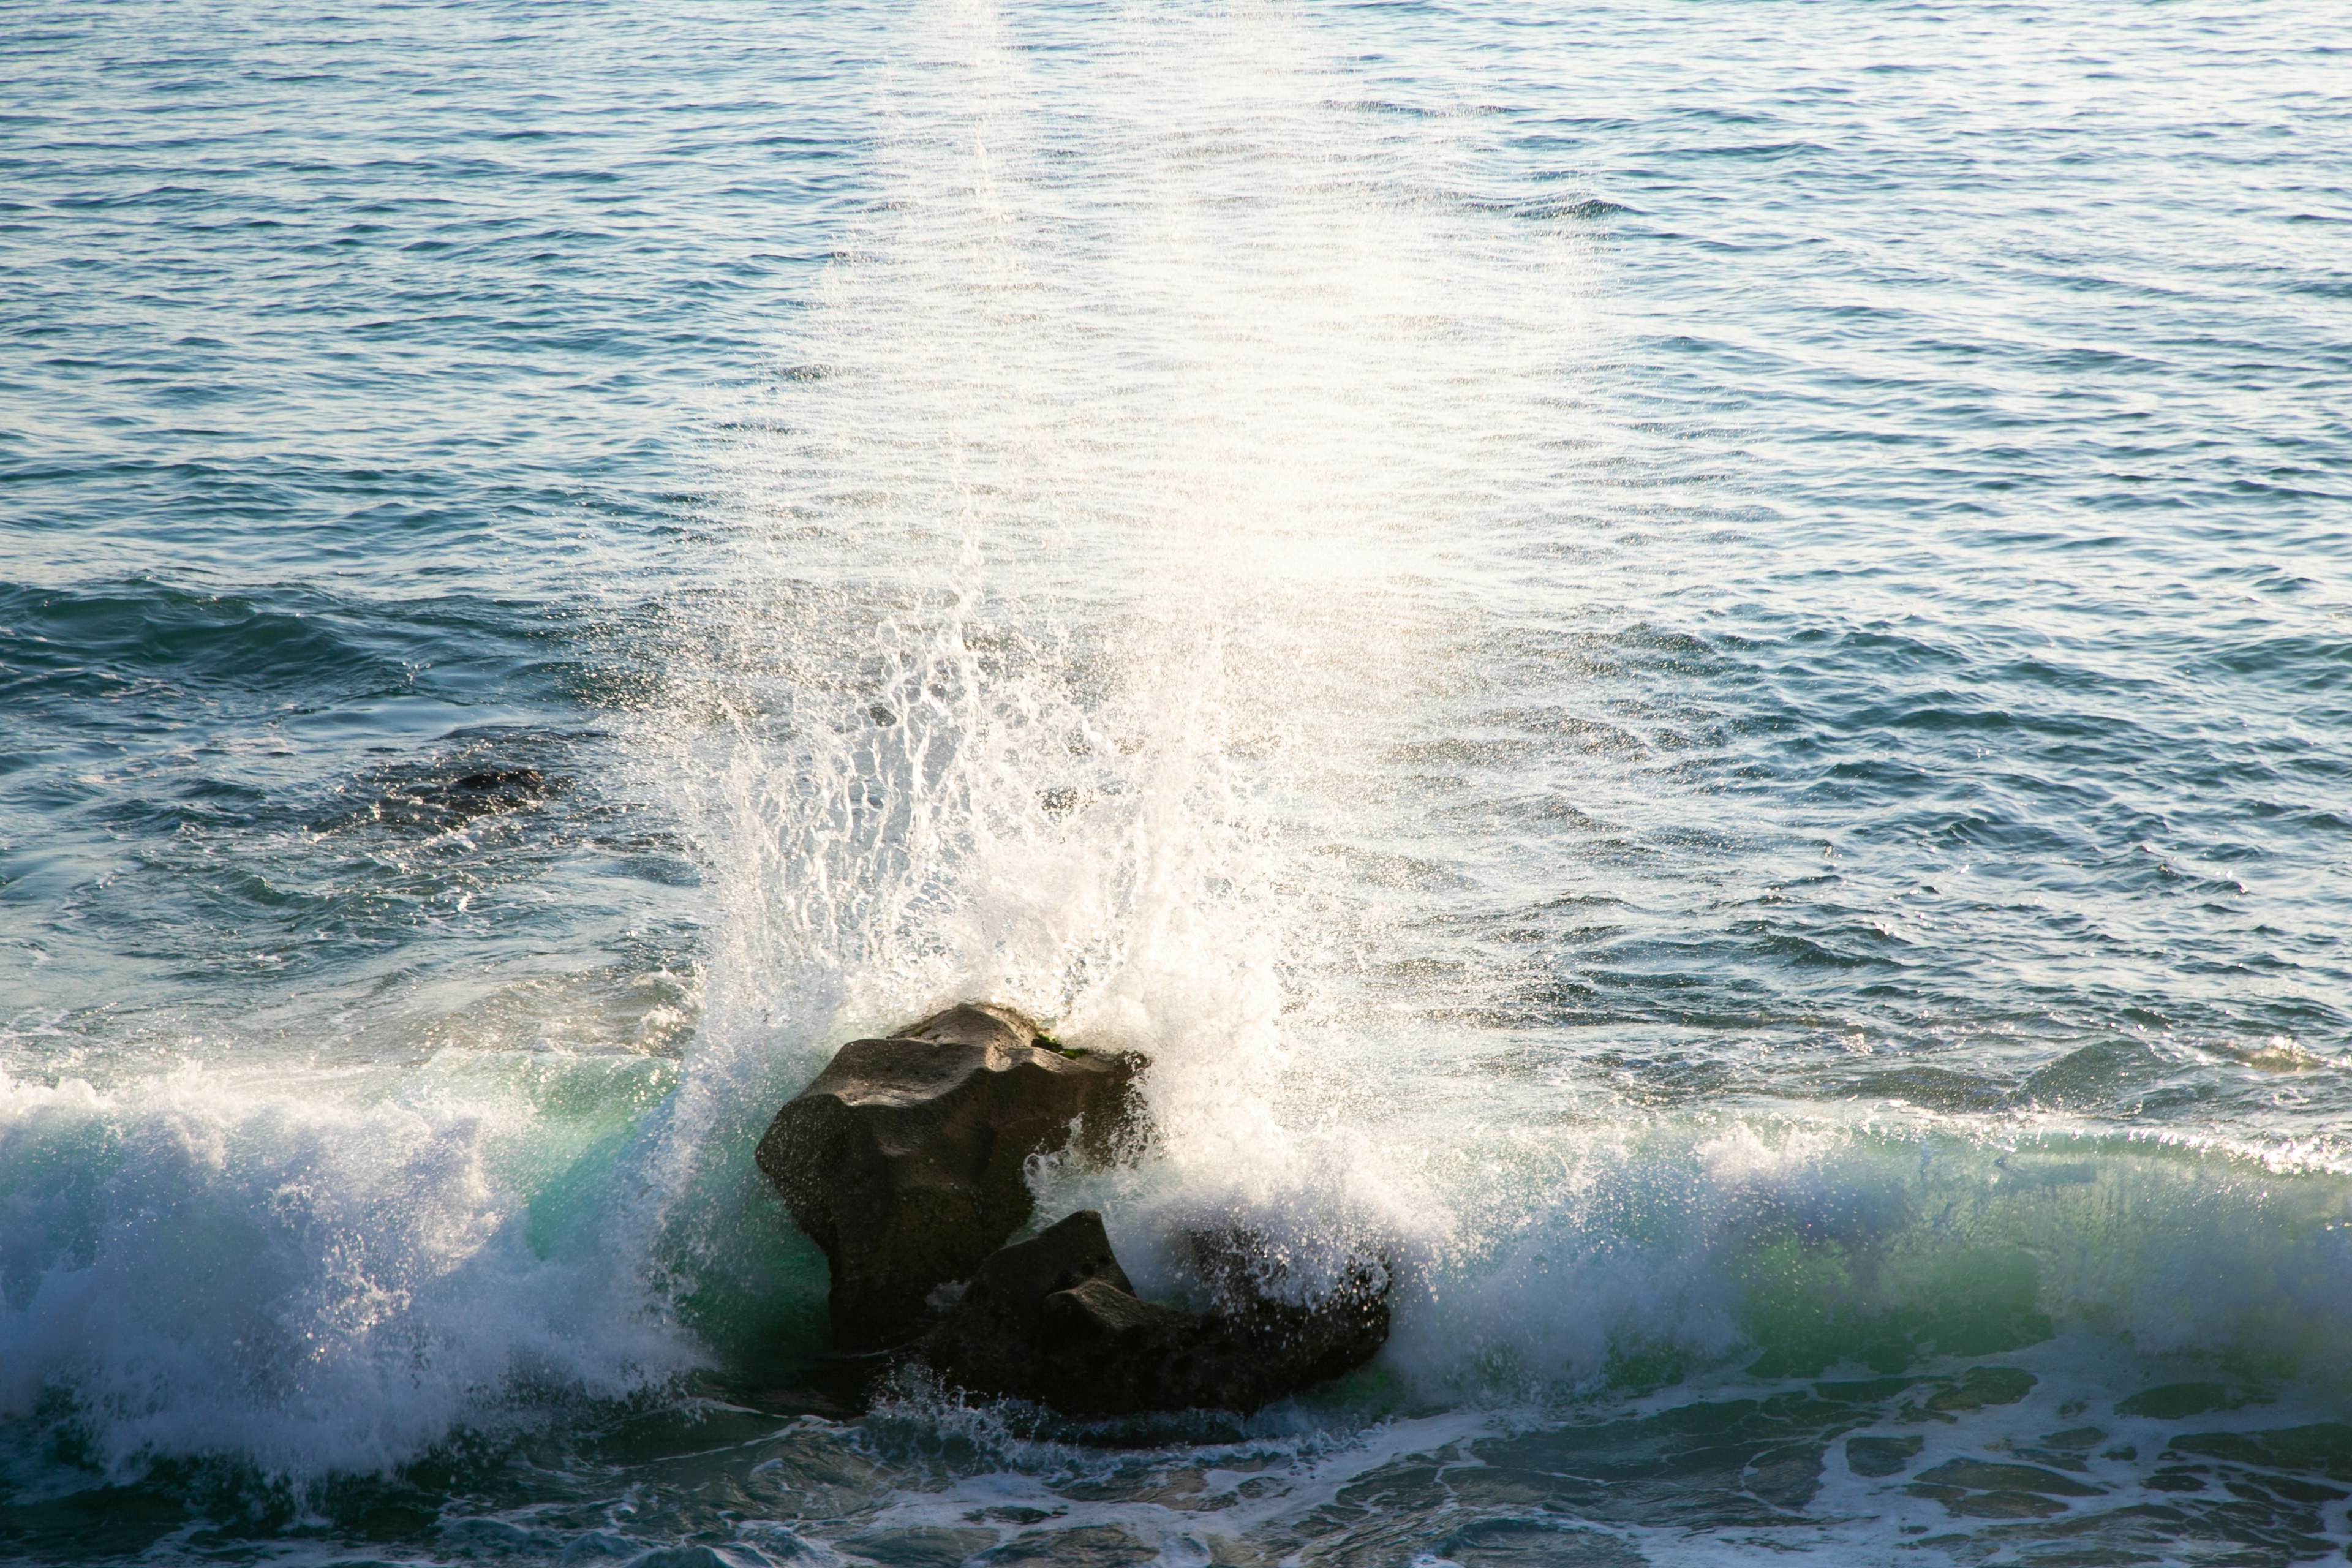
<point>526,782</point>
<point>411,798</point>
<point>1054,1318</point>
<point>904,1160</point>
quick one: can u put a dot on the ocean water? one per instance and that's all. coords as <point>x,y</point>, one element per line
<point>1689,660</point>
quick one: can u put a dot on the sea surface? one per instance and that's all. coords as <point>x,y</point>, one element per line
<point>1689,660</point>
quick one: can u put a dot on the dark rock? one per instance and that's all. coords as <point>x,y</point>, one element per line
<point>1984,1385</point>
<point>701,1557</point>
<point>1880,1456</point>
<point>924,1546</point>
<point>2323,1449</point>
<point>1510,1542</point>
<point>2301,1492</point>
<point>1086,1546</point>
<point>440,804</point>
<point>521,781</point>
<point>2004,1505</point>
<point>1785,1478</point>
<point>1978,1475</point>
<point>1054,1318</point>
<point>904,1160</point>
<point>2175,1401</point>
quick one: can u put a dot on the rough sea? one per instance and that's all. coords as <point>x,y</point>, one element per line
<point>1692,658</point>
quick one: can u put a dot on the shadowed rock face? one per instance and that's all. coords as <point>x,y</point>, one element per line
<point>1054,1318</point>
<point>903,1161</point>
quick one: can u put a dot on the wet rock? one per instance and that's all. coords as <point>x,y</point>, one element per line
<point>1880,1456</point>
<point>1984,1385</point>
<point>1054,1318</point>
<point>1086,1546</point>
<point>924,1546</point>
<point>2295,1491</point>
<point>702,1557</point>
<point>2323,1449</point>
<point>1785,1477</point>
<point>904,1160</point>
<point>2175,1401</point>
<point>525,781</point>
<point>1978,1475</point>
<point>438,804</point>
<point>1510,1542</point>
<point>2005,1505</point>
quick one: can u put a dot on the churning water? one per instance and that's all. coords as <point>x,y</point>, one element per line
<point>1691,660</point>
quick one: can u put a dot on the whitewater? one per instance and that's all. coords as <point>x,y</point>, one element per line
<point>1685,665</point>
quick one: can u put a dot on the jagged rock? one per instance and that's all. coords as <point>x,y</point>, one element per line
<point>903,1161</point>
<point>1054,1318</point>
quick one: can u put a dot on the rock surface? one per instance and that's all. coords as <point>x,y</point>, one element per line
<point>904,1160</point>
<point>1054,1318</point>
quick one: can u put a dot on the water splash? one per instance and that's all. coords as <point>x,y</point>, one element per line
<point>1086,551</point>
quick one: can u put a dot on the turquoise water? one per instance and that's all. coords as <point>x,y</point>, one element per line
<point>1692,660</point>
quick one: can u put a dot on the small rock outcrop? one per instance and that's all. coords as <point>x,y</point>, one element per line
<point>1054,1318</point>
<point>904,1160</point>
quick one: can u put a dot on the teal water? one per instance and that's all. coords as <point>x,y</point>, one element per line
<point>1693,661</point>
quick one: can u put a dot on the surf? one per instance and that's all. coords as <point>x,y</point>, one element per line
<point>1225,555</point>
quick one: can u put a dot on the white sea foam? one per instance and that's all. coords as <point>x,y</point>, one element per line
<point>264,1268</point>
